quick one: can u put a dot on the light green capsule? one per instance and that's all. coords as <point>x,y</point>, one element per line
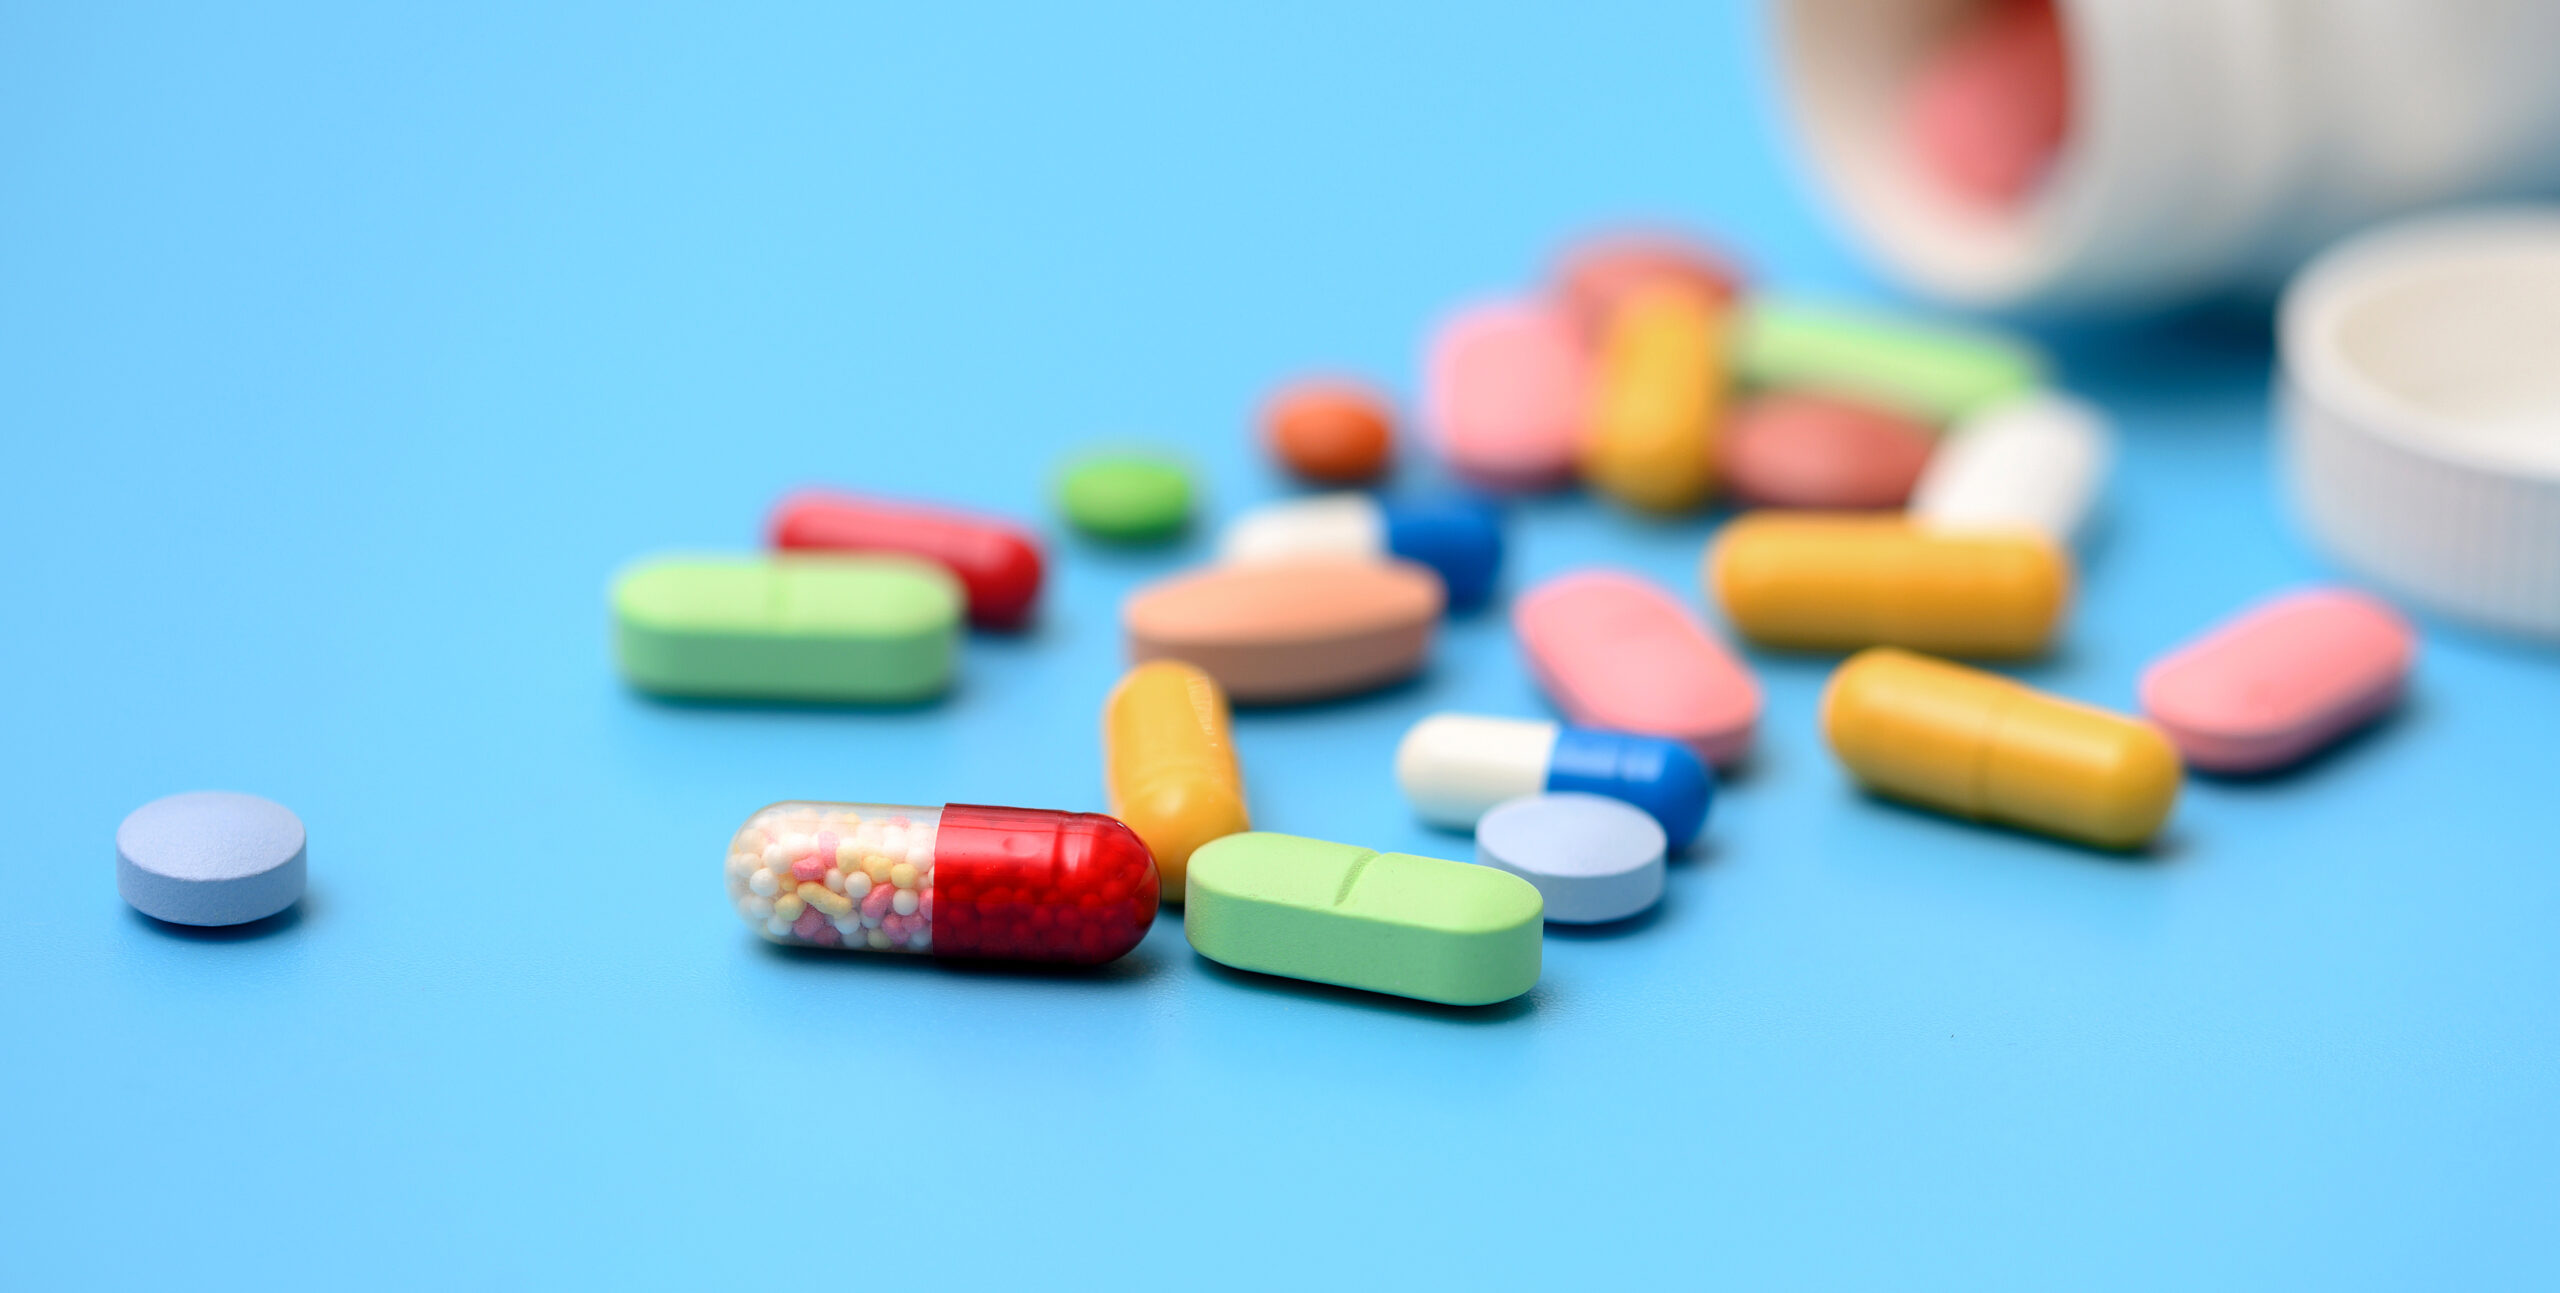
<point>1388,922</point>
<point>1130,496</point>
<point>1931,372</point>
<point>808,628</point>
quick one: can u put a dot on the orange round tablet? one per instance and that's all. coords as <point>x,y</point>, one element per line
<point>1333,432</point>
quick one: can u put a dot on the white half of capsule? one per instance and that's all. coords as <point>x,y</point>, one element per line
<point>1453,767</point>
<point>1330,525</point>
<point>2034,463</point>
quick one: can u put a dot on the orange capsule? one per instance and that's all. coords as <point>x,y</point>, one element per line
<point>1331,432</point>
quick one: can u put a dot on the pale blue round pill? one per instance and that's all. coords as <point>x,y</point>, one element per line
<point>210,857</point>
<point>1593,858</point>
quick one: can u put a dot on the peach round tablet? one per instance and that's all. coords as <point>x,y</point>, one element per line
<point>1331,431</point>
<point>2281,680</point>
<point>1595,277</point>
<point>1616,652</point>
<point>1790,449</point>
<point>1282,631</point>
<point>1506,390</point>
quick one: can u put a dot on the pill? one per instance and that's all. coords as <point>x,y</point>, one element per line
<point>1459,538</point>
<point>1613,651</point>
<point>210,857</point>
<point>1282,631</point>
<point>1978,745</point>
<point>2032,463</point>
<point>1596,276</point>
<point>1454,767</point>
<point>1658,400</point>
<point>1507,392</point>
<point>1592,858</point>
<point>1412,926</point>
<point>1169,763</point>
<point>1790,449</point>
<point>997,562</point>
<point>1126,497</point>
<point>2281,680</point>
<point>1837,581</point>
<point>975,882</point>
<point>1931,373</point>
<point>1331,431</point>
<point>1988,109</point>
<point>801,627</point>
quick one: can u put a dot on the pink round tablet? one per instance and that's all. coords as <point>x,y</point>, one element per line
<point>1599,274</point>
<point>1613,651</point>
<point>1506,390</point>
<point>1786,449</point>
<point>2281,680</point>
<point>1989,110</point>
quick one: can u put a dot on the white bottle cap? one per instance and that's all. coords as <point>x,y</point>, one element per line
<point>2421,408</point>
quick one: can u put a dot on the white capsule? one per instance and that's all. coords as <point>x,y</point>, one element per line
<point>2034,463</point>
<point>1330,525</point>
<point>1455,766</point>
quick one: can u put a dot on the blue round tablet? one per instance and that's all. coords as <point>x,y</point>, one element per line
<point>210,857</point>
<point>1592,858</point>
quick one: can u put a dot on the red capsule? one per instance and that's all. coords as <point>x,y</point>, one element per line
<point>997,562</point>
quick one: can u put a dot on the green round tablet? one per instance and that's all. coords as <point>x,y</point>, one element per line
<point>1128,496</point>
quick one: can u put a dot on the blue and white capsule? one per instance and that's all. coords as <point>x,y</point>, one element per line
<point>1454,768</point>
<point>1459,537</point>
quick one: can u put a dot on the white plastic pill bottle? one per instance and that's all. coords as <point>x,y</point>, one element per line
<point>2210,146</point>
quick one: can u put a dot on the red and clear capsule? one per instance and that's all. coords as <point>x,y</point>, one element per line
<point>964,881</point>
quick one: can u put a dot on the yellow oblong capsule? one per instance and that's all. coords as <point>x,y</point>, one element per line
<point>1169,763</point>
<point>1833,581</point>
<point>1978,745</point>
<point>1658,401</point>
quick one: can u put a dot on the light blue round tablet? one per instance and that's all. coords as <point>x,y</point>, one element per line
<point>1593,858</point>
<point>210,857</point>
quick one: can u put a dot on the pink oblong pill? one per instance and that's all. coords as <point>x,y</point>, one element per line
<point>1506,390</point>
<point>1789,449</point>
<point>1613,651</point>
<point>2280,680</point>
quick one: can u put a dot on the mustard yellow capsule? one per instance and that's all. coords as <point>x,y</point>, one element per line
<point>1831,581</point>
<point>1169,764</point>
<point>1658,401</point>
<point>1979,745</point>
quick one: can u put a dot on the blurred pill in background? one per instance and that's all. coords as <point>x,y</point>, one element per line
<point>2036,462</point>
<point>997,562</point>
<point>1658,395</point>
<point>1331,431</point>
<point>1792,449</point>
<point>1506,392</point>
<point>1457,537</point>
<point>1989,107</point>
<point>1596,276</point>
<point>2281,680</point>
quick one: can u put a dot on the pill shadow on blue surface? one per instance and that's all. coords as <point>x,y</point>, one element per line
<point>2163,849</point>
<point>1131,970</point>
<point>275,926</point>
<point>1603,931</point>
<point>744,705</point>
<point>2345,751</point>
<point>1500,1012</point>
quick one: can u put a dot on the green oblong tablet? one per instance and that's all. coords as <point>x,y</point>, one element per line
<point>1129,496</point>
<point>833,628</point>
<point>1388,922</point>
<point>1929,371</point>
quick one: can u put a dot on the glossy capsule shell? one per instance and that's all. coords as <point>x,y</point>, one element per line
<point>1978,745</point>
<point>1838,582</point>
<point>964,881</point>
<point>997,562</point>
<point>1657,401</point>
<point>1169,763</point>
<point>1458,537</point>
<point>1453,768</point>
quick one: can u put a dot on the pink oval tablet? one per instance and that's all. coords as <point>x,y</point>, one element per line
<point>2281,680</point>
<point>1990,108</point>
<point>1613,651</point>
<point>1797,450</point>
<point>1506,390</point>
<point>1598,275</point>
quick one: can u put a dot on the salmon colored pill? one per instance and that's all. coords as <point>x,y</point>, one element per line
<point>1837,581</point>
<point>1282,631</point>
<point>2281,680</point>
<point>1331,432</point>
<point>1506,390</point>
<point>1787,449</point>
<point>1658,401</point>
<point>1597,276</point>
<point>1990,108</point>
<point>1615,652</point>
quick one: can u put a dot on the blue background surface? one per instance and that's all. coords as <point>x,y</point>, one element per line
<point>345,351</point>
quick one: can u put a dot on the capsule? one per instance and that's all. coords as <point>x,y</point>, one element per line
<point>1169,763</point>
<point>1459,538</point>
<point>1838,582</point>
<point>1978,745</point>
<point>1658,401</point>
<point>1454,768</point>
<point>964,881</point>
<point>2033,463</point>
<point>996,561</point>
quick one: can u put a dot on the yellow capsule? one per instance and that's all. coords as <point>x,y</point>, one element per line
<point>1979,745</point>
<point>1658,401</point>
<point>1170,764</point>
<point>1838,581</point>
